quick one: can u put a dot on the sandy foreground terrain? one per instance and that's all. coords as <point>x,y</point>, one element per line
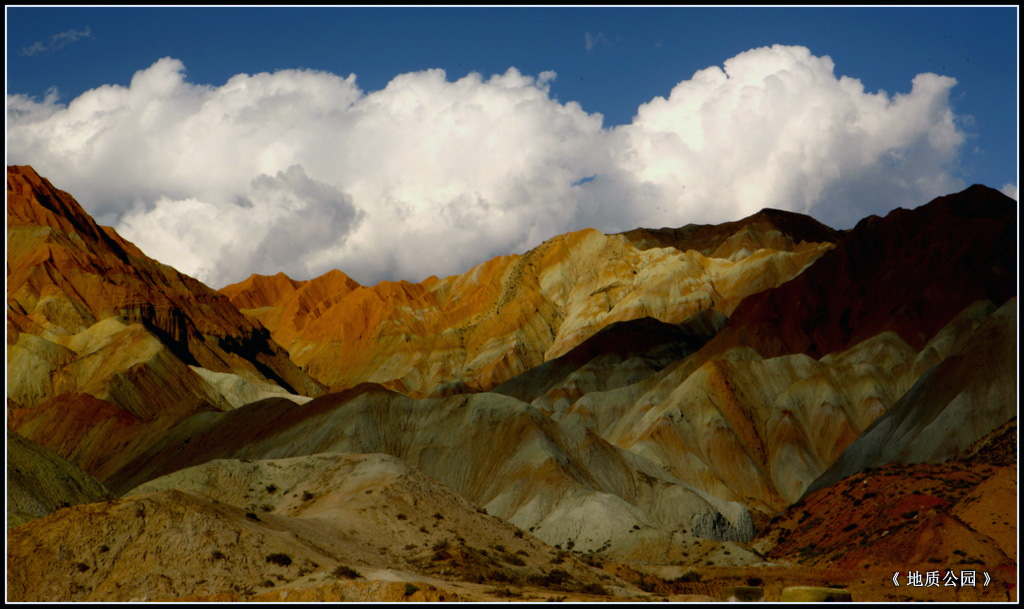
<point>870,585</point>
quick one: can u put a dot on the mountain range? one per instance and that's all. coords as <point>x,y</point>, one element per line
<point>573,422</point>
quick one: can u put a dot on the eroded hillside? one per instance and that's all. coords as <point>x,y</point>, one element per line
<point>473,331</point>
<point>605,416</point>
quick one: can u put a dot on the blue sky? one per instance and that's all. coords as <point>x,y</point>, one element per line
<point>608,60</point>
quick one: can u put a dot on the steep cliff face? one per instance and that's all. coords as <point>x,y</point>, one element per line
<point>90,316</point>
<point>165,320</point>
<point>473,331</point>
<point>65,273</point>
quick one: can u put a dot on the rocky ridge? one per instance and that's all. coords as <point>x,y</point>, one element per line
<point>473,331</point>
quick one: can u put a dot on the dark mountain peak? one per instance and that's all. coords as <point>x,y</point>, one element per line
<point>910,272</point>
<point>775,228</point>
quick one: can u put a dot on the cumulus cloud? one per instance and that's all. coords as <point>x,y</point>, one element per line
<point>25,109</point>
<point>775,127</point>
<point>303,171</point>
<point>1009,190</point>
<point>285,222</point>
<point>56,42</point>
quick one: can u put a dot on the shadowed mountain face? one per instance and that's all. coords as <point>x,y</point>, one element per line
<point>40,482</point>
<point>909,273</point>
<point>658,396</point>
<point>620,354</point>
<point>473,331</point>
<point>99,330</point>
<point>950,407</point>
<point>769,228</point>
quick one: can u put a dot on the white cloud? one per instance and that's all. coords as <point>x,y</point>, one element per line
<point>776,128</point>
<point>1009,190</point>
<point>592,40</point>
<point>302,171</point>
<point>284,222</point>
<point>57,41</point>
<point>25,109</point>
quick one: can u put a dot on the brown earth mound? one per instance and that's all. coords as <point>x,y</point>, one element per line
<point>293,529</point>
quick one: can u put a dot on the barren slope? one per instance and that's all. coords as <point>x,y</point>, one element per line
<point>255,527</point>
<point>40,482</point>
<point>610,438</point>
<point>959,515</point>
<point>563,483</point>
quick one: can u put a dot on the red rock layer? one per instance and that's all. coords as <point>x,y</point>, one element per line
<point>67,272</point>
<point>96,390</point>
<point>910,272</point>
<point>954,516</point>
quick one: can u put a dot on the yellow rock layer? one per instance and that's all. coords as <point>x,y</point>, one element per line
<point>504,316</point>
<point>108,348</point>
<point>760,431</point>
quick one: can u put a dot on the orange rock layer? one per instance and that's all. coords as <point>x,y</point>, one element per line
<point>108,348</point>
<point>65,273</point>
<point>476,330</point>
